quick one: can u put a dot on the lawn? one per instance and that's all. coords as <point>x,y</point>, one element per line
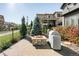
<point>6,41</point>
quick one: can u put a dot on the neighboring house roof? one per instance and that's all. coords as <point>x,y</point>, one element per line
<point>44,14</point>
<point>52,16</point>
<point>51,13</point>
<point>57,12</point>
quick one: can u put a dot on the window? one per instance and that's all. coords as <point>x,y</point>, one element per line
<point>58,15</point>
<point>49,16</point>
<point>72,22</point>
<point>67,23</point>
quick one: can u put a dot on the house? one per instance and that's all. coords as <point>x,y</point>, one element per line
<point>50,20</point>
<point>45,19</point>
<point>58,16</point>
<point>6,25</point>
<point>71,14</point>
<point>9,25</point>
<point>1,21</point>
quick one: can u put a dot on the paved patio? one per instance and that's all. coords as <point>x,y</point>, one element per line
<point>25,48</point>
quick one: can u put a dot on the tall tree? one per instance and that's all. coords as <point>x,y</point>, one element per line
<point>23,30</point>
<point>36,29</point>
<point>31,24</point>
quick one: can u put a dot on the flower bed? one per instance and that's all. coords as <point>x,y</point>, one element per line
<point>69,33</point>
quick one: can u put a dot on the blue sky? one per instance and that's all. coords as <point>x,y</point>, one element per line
<point>14,12</point>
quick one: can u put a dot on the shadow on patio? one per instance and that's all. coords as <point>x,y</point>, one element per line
<point>66,51</point>
<point>47,46</point>
<point>29,39</point>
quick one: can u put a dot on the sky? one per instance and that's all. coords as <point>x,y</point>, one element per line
<point>13,12</point>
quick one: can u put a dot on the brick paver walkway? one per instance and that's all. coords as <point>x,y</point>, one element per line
<point>25,48</point>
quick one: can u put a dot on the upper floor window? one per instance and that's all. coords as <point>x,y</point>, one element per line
<point>67,22</point>
<point>58,15</point>
<point>72,22</point>
<point>48,16</point>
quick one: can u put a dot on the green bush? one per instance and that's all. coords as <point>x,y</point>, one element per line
<point>44,30</point>
<point>36,29</point>
<point>23,30</point>
<point>31,24</point>
<point>16,38</point>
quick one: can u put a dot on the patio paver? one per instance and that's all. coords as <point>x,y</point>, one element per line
<point>25,48</point>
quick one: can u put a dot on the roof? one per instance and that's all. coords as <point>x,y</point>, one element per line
<point>45,14</point>
<point>1,16</point>
<point>77,10</point>
<point>64,5</point>
<point>58,12</point>
<point>50,13</point>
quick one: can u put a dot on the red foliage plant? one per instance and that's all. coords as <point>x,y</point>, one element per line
<point>68,33</point>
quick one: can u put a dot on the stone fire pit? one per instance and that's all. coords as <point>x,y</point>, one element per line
<point>39,40</point>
